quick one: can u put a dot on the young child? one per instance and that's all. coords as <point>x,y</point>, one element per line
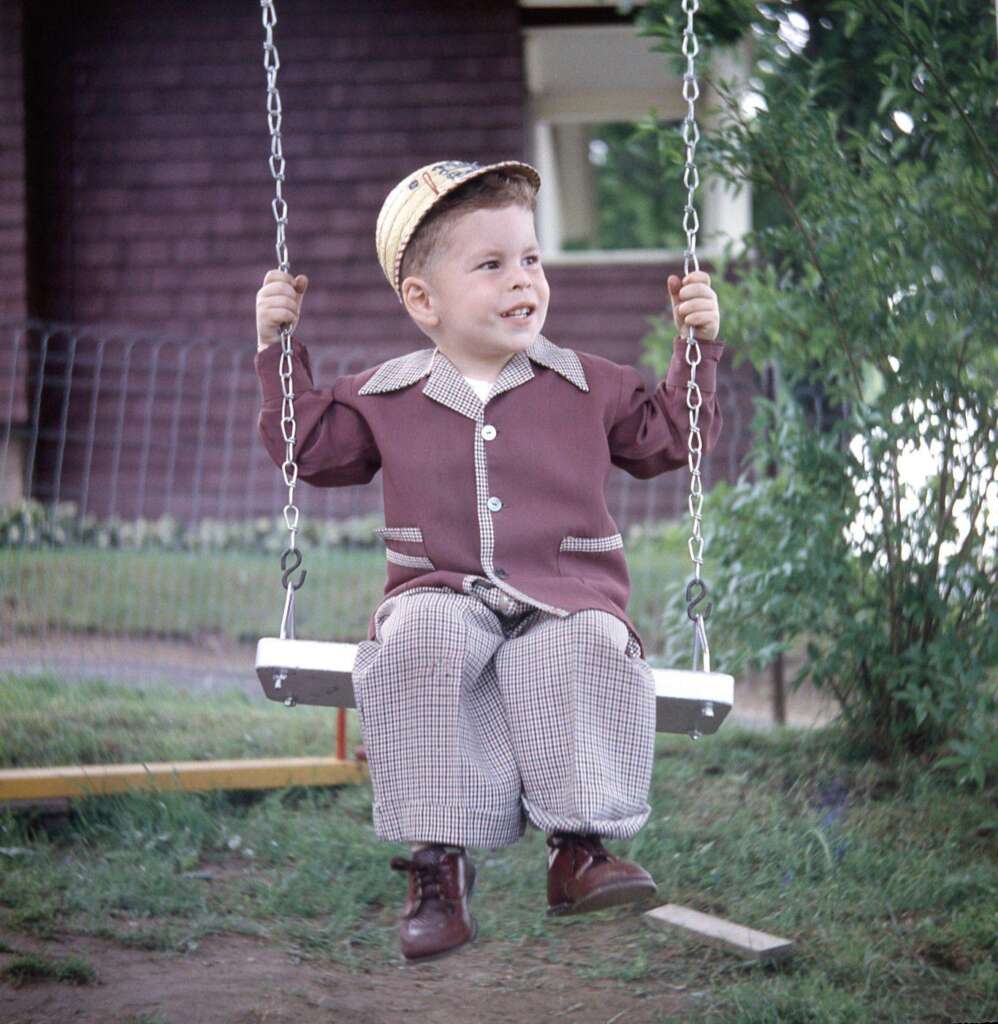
<point>501,680</point>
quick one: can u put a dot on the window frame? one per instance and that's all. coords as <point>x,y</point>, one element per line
<point>546,108</point>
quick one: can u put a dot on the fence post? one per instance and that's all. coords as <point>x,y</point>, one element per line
<point>779,696</point>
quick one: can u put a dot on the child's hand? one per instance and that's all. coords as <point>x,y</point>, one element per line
<point>695,302</point>
<point>278,302</point>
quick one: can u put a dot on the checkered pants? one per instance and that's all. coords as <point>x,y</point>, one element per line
<point>480,712</point>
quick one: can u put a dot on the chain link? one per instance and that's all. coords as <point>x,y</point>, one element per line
<point>289,468</point>
<point>696,590</point>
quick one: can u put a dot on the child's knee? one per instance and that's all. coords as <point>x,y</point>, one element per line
<point>601,632</point>
<point>422,621</point>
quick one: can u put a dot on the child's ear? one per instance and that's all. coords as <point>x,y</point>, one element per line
<point>418,301</point>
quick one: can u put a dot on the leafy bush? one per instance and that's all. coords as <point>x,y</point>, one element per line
<point>32,524</point>
<point>870,531</point>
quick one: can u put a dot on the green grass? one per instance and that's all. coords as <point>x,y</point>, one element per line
<point>29,967</point>
<point>43,722</point>
<point>239,596</point>
<point>187,595</point>
<point>887,878</point>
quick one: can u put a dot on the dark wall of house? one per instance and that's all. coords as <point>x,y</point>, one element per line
<point>155,152</point>
<point>147,198</point>
<point>13,207</point>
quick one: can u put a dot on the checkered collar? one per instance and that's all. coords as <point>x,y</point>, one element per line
<point>448,386</point>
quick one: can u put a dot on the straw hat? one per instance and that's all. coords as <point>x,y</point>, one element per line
<point>413,197</point>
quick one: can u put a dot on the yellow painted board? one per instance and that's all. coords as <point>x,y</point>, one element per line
<point>102,779</point>
<point>746,942</point>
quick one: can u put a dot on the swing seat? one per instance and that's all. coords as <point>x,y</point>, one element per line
<point>321,672</point>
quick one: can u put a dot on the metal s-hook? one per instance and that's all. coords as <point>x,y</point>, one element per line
<point>692,602</point>
<point>288,570</point>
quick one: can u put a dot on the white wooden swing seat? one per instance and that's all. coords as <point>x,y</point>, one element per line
<point>321,672</point>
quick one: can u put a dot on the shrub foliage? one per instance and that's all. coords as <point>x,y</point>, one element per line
<point>868,526</point>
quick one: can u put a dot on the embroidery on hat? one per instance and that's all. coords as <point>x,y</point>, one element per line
<point>454,169</point>
<point>429,181</point>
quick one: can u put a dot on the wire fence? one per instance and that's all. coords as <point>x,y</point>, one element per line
<point>136,498</point>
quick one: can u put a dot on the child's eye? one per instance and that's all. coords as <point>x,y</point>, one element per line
<point>489,263</point>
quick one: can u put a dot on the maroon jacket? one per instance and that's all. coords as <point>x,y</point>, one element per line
<point>512,491</point>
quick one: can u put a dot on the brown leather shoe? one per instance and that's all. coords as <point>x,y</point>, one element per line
<point>435,919</point>
<point>583,876</point>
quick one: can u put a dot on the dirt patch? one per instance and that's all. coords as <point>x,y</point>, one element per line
<point>236,979</point>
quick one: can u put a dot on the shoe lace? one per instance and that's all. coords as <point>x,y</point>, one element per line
<point>428,878</point>
<point>591,843</point>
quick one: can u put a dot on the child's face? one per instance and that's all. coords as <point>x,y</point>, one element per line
<point>492,264</point>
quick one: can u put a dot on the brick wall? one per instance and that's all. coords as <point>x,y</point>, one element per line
<point>159,144</point>
<point>13,233</point>
<point>13,296</point>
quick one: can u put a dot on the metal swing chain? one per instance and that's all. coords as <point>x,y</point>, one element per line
<point>272,62</point>
<point>696,590</point>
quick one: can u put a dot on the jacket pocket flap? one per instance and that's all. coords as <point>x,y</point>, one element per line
<point>592,543</point>
<point>405,533</point>
<point>409,561</point>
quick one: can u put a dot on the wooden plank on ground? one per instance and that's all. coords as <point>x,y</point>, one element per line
<point>102,779</point>
<point>746,942</point>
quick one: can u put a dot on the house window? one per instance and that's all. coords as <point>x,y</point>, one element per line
<point>607,195</point>
<point>615,193</point>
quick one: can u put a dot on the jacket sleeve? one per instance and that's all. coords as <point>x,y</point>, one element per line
<point>650,432</point>
<point>334,445</point>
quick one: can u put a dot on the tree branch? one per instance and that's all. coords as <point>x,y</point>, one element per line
<point>975,512</point>
<point>915,52</point>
